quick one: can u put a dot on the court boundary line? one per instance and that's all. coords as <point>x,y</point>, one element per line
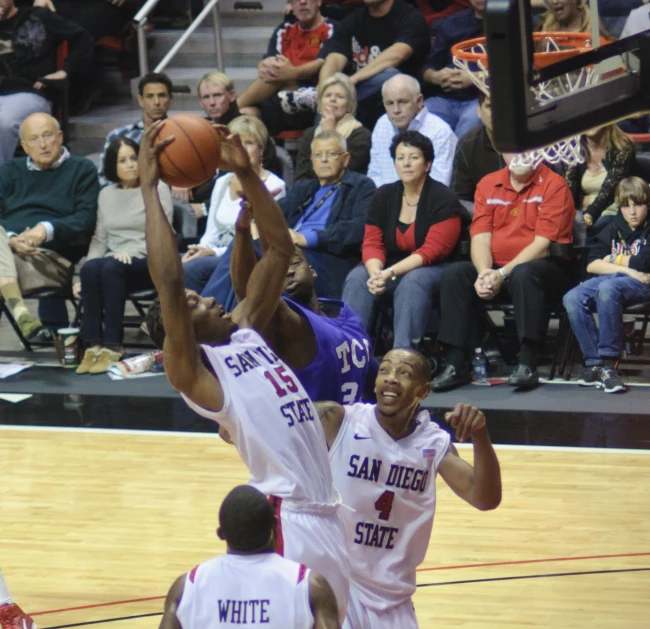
<point>437,568</point>
<point>214,435</point>
<point>519,562</point>
<point>439,584</point>
<point>536,576</point>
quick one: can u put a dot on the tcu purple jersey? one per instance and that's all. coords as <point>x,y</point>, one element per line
<point>343,368</point>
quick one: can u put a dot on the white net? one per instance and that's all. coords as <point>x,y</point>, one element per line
<point>566,150</point>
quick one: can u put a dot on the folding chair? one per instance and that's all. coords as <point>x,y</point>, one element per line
<point>64,292</point>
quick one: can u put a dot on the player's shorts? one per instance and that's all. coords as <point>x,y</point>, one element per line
<point>359,616</point>
<point>318,542</point>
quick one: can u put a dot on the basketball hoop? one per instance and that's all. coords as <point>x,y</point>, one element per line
<point>471,56</point>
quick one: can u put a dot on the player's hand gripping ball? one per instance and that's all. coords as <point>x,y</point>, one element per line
<point>195,154</point>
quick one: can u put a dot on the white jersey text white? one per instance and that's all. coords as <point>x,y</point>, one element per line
<point>272,422</point>
<point>263,590</point>
<point>391,488</point>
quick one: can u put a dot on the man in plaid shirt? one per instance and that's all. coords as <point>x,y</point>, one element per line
<point>155,99</point>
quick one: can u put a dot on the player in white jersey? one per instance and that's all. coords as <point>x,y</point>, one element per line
<point>251,585</point>
<point>385,458</point>
<point>227,372</point>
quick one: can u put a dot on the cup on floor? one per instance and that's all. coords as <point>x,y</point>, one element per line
<point>67,342</point>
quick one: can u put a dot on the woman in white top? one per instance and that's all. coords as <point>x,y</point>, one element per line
<point>116,262</point>
<point>200,260</point>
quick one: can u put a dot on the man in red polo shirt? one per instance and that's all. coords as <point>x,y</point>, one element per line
<point>519,210</point>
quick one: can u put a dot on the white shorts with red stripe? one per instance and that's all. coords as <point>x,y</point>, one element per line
<point>316,540</point>
<point>359,616</point>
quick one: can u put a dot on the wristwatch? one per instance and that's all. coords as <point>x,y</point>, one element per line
<point>393,277</point>
<point>504,275</point>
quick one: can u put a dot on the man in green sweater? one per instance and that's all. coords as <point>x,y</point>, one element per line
<point>48,203</point>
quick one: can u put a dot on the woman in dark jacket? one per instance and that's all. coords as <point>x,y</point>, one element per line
<point>609,157</point>
<point>412,229</point>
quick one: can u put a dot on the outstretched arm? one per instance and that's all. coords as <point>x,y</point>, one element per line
<point>480,485</point>
<point>243,258</point>
<point>323,603</point>
<point>169,619</point>
<point>267,279</point>
<point>183,364</point>
<point>331,416</point>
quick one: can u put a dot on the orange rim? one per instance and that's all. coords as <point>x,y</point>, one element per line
<point>581,42</point>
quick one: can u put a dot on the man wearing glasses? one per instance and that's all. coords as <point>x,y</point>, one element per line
<point>326,217</point>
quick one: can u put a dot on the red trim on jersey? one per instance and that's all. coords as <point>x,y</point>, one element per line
<point>276,503</point>
<point>302,571</point>
<point>193,573</point>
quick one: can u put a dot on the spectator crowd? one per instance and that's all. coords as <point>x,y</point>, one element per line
<point>395,168</point>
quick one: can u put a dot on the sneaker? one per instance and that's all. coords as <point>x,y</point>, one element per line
<point>89,359</point>
<point>29,326</point>
<point>12,617</point>
<point>610,381</point>
<point>105,358</point>
<point>590,376</point>
<point>302,99</point>
<point>44,336</point>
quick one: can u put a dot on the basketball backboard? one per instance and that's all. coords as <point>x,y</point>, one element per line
<point>607,83</point>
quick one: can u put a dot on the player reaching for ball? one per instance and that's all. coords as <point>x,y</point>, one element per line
<point>323,340</point>
<point>239,381</point>
<point>384,460</point>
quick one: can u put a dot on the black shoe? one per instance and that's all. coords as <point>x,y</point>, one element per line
<point>610,381</point>
<point>449,379</point>
<point>523,378</point>
<point>590,376</point>
<point>44,336</point>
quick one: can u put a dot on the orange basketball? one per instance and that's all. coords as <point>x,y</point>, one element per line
<point>193,157</point>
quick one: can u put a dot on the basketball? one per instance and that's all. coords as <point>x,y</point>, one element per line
<point>193,157</point>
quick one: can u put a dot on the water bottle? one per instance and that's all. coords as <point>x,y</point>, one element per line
<point>479,366</point>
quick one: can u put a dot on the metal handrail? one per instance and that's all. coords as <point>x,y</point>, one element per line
<point>141,18</point>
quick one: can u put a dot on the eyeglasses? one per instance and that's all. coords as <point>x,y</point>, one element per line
<point>328,155</point>
<point>48,136</point>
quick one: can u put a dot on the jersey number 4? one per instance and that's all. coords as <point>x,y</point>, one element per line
<point>384,504</point>
<point>286,378</point>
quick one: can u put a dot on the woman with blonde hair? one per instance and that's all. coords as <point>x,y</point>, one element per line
<point>609,156</point>
<point>571,16</point>
<point>337,104</point>
<point>201,260</point>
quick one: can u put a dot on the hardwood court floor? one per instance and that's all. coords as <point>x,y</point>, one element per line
<point>97,524</point>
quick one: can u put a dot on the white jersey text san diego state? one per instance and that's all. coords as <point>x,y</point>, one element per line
<point>391,489</point>
<point>271,420</point>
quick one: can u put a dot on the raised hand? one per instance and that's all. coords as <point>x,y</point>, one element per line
<point>148,156</point>
<point>245,216</point>
<point>466,420</point>
<point>327,120</point>
<point>233,153</point>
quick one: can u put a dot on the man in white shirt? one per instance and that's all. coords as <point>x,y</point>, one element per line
<point>638,21</point>
<point>385,458</point>
<point>404,110</point>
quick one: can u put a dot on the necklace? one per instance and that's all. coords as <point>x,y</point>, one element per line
<point>410,204</point>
